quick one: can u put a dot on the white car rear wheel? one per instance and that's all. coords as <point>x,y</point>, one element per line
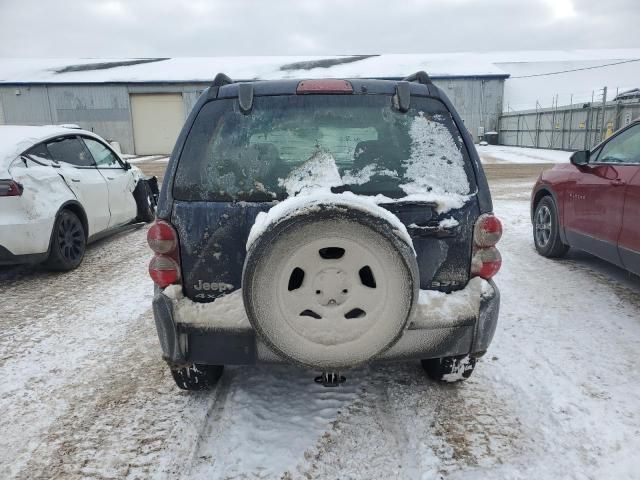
<point>68,242</point>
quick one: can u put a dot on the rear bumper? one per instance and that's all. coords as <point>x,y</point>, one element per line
<point>8,258</point>
<point>24,238</point>
<point>183,343</point>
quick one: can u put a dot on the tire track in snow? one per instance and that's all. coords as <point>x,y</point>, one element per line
<point>270,417</point>
<point>367,439</point>
<point>406,426</point>
<point>78,323</point>
<point>132,421</point>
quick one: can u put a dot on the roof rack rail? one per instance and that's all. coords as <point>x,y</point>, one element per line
<point>221,79</point>
<point>420,77</point>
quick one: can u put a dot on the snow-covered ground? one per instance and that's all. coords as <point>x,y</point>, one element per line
<point>85,394</point>
<point>145,158</point>
<point>505,154</point>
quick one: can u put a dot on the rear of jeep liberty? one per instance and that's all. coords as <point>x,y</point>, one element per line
<point>324,223</point>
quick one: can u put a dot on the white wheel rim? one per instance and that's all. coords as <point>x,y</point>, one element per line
<point>332,298</point>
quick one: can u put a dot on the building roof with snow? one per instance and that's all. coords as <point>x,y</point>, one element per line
<point>199,69</point>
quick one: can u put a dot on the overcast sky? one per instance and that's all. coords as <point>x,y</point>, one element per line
<point>163,28</point>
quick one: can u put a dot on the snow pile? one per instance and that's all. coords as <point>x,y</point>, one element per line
<point>436,163</point>
<point>14,140</point>
<point>44,192</point>
<point>225,312</point>
<point>319,172</point>
<point>443,202</point>
<point>449,222</point>
<point>362,176</point>
<point>435,307</point>
<point>313,200</point>
<point>460,367</point>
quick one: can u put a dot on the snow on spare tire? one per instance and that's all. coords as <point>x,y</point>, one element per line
<point>330,280</point>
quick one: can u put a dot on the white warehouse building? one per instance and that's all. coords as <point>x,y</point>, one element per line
<point>142,103</point>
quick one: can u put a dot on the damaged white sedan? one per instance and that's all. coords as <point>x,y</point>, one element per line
<point>61,188</point>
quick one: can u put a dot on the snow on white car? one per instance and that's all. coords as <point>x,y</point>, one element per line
<point>60,188</point>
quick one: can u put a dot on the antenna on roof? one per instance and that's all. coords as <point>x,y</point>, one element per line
<point>419,77</point>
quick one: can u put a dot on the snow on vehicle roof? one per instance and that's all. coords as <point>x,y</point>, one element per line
<point>15,139</point>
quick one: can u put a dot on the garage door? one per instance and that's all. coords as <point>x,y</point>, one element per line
<point>157,120</point>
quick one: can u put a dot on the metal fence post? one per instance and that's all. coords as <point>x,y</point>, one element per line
<point>604,111</point>
<point>570,120</point>
<point>537,126</point>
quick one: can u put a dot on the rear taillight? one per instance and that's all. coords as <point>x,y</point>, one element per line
<point>164,267</point>
<point>488,230</point>
<point>164,270</point>
<point>486,261</point>
<point>162,238</point>
<point>10,188</point>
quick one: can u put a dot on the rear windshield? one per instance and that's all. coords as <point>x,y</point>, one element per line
<point>357,143</point>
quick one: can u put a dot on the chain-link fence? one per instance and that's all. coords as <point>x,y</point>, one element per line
<point>570,127</point>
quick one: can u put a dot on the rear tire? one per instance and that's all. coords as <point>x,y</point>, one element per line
<point>68,243</point>
<point>546,230</point>
<point>197,377</point>
<point>450,369</point>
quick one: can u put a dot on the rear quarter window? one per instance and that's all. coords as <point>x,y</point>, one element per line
<point>349,142</point>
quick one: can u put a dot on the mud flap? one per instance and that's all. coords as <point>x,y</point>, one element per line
<point>167,331</point>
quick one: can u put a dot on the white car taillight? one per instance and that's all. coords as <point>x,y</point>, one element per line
<point>164,267</point>
<point>10,188</point>
<point>486,261</point>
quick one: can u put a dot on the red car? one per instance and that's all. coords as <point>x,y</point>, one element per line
<point>593,203</point>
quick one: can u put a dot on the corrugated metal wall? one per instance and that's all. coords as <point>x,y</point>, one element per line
<point>106,110</point>
<point>575,127</point>
<point>477,100</point>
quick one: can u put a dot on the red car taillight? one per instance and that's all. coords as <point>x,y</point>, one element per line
<point>164,267</point>
<point>10,188</point>
<point>486,261</point>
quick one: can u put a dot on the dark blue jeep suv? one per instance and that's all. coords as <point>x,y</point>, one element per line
<point>326,223</point>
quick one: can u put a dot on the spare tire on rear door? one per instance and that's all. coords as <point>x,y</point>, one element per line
<point>329,286</point>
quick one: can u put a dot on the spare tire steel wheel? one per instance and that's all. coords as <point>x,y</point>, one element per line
<point>330,288</point>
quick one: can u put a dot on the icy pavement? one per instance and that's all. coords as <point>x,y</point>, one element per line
<point>85,394</point>
<point>505,154</point>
